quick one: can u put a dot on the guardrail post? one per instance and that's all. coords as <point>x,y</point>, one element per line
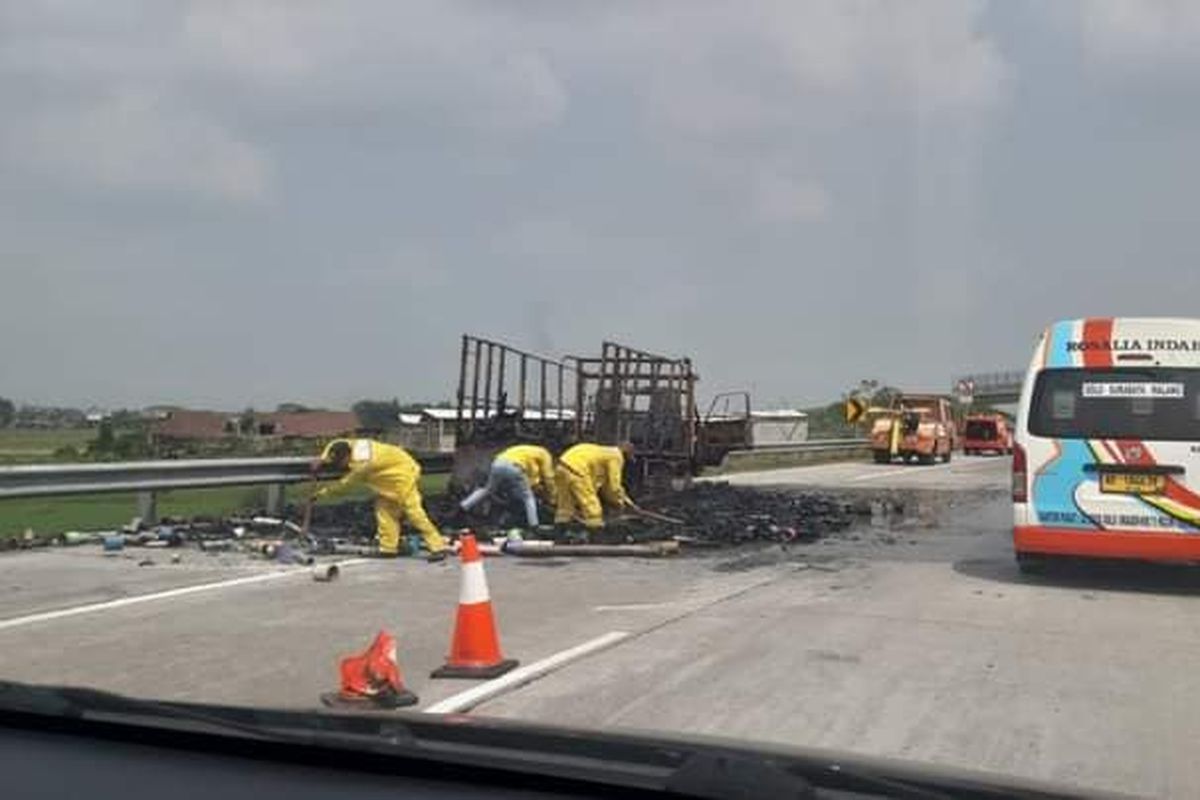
<point>147,503</point>
<point>275,499</point>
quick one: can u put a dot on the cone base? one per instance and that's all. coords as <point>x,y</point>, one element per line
<point>385,702</point>
<point>490,671</point>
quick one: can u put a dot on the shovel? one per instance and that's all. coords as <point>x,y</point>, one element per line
<point>654,515</point>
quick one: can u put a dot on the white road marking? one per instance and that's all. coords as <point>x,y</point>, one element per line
<point>108,605</point>
<point>635,606</point>
<point>465,701</point>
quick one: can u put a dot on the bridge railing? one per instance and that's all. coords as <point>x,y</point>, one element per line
<point>987,382</point>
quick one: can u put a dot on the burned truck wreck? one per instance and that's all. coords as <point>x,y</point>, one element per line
<point>507,396</point>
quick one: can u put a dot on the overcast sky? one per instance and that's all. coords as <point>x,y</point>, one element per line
<point>231,204</point>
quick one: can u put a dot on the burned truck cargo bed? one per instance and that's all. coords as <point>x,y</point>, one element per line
<point>508,396</point>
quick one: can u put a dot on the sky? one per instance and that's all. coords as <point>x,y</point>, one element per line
<point>246,203</point>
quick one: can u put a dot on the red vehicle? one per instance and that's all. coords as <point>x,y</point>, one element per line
<point>987,433</point>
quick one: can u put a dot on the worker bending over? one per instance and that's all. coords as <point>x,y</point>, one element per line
<point>517,473</point>
<point>586,473</point>
<point>394,476</point>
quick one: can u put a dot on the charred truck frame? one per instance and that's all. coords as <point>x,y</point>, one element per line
<point>506,396</point>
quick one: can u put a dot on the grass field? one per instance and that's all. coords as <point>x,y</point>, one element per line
<point>24,446</point>
<point>100,511</point>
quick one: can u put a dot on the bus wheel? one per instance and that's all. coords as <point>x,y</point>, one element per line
<point>947,456</point>
<point>1032,563</point>
<point>883,457</point>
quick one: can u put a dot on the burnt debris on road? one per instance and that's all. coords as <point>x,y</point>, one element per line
<point>708,515</point>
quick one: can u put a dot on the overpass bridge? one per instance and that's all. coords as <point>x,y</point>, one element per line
<point>993,388</point>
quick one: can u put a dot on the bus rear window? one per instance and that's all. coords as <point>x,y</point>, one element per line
<point>1153,404</point>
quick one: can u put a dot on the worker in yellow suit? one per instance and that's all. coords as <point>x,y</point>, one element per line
<point>517,473</point>
<point>586,474</point>
<point>394,476</point>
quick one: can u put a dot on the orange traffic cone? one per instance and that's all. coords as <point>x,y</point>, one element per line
<point>475,649</point>
<point>372,679</point>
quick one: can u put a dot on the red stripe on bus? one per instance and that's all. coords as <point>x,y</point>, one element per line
<point>1107,543</point>
<point>1097,330</point>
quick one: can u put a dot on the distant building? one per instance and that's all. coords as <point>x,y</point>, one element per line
<point>179,425</point>
<point>306,424</point>
<point>778,427</point>
<point>185,425</point>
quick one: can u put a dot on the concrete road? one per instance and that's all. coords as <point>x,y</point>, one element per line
<point>910,636</point>
<point>962,473</point>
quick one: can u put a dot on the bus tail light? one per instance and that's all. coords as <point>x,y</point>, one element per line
<point>1020,492</point>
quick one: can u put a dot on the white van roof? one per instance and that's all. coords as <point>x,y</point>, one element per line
<point>1101,342</point>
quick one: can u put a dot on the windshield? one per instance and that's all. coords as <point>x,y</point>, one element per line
<point>1154,404</point>
<point>807,373</point>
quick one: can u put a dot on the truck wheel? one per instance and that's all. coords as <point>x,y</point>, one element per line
<point>883,457</point>
<point>948,454</point>
<point>929,459</point>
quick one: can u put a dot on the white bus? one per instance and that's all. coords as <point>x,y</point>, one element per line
<point>1106,461</point>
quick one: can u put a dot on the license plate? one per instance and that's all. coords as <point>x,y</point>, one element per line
<point>1123,483</point>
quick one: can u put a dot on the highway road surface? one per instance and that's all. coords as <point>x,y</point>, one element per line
<point>911,635</point>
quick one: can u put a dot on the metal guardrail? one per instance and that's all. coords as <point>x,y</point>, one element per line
<point>148,477</point>
<point>43,480</point>
<point>795,454</point>
<point>812,445</point>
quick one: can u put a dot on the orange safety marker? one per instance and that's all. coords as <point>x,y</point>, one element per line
<point>372,680</point>
<point>475,648</point>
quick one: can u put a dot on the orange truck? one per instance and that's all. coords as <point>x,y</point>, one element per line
<point>987,433</point>
<point>917,427</point>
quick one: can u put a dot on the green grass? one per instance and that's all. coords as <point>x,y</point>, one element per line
<point>19,445</point>
<point>48,515</point>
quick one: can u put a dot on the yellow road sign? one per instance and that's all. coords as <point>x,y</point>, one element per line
<point>855,408</point>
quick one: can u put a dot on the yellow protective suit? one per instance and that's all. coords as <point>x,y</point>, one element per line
<point>537,465</point>
<point>395,477</point>
<point>586,473</point>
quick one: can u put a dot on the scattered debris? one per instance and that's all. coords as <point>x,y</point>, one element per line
<point>703,516</point>
<point>325,573</point>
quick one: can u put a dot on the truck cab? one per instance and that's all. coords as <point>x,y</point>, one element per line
<point>917,427</point>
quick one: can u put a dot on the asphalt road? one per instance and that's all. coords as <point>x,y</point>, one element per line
<point>910,636</point>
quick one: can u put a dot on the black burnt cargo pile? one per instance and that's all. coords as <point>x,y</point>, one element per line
<point>721,515</point>
<point>713,515</point>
